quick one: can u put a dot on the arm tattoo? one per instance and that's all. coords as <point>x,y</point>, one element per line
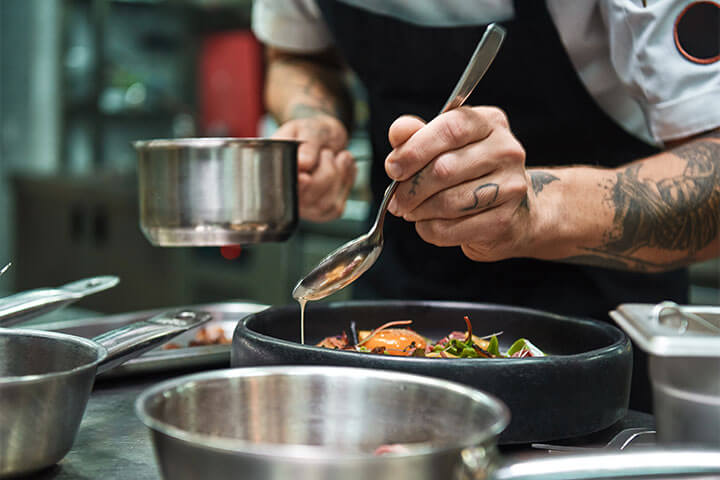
<point>484,196</point>
<point>539,179</point>
<point>302,110</point>
<point>679,214</point>
<point>321,89</point>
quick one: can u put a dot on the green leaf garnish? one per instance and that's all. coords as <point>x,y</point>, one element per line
<point>494,347</point>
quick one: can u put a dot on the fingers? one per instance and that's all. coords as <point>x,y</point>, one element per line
<point>315,133</point>
<point>450,131</point>
<point>494,235</point>
<point>473,197</point>
<point>308,156</point>
<point>324,191</point>
<point>453,176</point>
<point>403,128</point>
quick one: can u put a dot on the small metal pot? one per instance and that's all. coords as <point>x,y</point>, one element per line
<point>217,191</point>
<point>46,379</point>
<point>316,423</point>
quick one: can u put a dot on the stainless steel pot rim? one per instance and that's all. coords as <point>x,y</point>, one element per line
<point>310,452</point>
<point>620,342</point>
<point>210,142</point>
<point>39,377</point>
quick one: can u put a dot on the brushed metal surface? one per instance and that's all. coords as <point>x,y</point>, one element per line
<point>23,306</point>
<point>217,191</point>
<point>46,379</point>
<point>683,343</point>
<point>315,422</point>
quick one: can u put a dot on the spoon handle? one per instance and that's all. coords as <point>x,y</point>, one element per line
<point>479,63</point>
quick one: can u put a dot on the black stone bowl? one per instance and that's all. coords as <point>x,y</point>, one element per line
<point>581,387</point>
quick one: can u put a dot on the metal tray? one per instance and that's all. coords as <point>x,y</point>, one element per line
<point>225,314</point>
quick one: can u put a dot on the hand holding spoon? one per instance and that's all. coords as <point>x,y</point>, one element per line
<point>342,266</point>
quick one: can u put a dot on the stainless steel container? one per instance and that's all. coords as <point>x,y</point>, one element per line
<point>46,379</point>
<point>317,423</point>
<point>683,343</point>
<point>217,191</point>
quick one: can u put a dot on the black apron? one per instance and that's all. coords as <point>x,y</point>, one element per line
<point>408,68</point>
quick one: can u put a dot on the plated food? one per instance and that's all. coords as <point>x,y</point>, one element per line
<point>210,335</point>
<point>388,339</point>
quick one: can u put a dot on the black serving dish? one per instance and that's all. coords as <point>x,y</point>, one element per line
<point>581,387</point>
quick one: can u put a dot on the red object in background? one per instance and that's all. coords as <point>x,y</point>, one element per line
<point>231,252</point>
<point>231,78</point>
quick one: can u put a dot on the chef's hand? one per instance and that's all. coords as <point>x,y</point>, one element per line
<point>464,182</point>
<point>326,171</point>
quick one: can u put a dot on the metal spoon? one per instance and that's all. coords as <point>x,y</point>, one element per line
<point>342,266</point>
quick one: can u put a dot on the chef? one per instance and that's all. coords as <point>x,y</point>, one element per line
<point>584,171</point>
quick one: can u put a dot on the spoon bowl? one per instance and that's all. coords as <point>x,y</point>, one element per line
<point>345,264</point>
<point>339,269</point>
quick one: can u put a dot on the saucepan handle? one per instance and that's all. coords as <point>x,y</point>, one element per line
<point>24,306</point>
<point>646,463</point>
<point>132,340</point>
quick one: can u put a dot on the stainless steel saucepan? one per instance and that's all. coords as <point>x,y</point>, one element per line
<point>29,304</point>
<point>46,379</point>
<point>314,423</point>
<point>217,191</point>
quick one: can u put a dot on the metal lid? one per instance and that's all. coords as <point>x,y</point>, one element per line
<point>671,330</point>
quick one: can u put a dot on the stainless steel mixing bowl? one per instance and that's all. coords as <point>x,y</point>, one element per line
<point>316,423</point>
<point>217,191</point>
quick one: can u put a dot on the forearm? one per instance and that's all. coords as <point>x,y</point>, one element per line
<point>298,86</point>
<point>655,214</point>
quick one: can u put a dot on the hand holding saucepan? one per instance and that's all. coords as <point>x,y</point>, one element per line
<point>326,171</point>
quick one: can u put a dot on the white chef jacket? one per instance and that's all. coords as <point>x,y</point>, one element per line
<point>624,53</point>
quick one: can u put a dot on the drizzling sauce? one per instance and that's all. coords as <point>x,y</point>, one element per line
<point>302,301</point>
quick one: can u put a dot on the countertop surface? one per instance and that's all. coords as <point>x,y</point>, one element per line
<point>112,443</point>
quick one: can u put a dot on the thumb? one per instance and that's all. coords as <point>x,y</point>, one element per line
<point>403,128</point>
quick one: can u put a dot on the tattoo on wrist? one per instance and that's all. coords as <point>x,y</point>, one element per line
<point>484,196</point>
<point>678,214</point>
<point>302,110</point>
<point>320,88</point>
<point>539,179</point>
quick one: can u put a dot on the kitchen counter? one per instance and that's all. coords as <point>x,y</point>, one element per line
<point>112,443</point>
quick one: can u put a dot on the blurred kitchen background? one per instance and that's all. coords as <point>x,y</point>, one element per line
<point>80,80</point>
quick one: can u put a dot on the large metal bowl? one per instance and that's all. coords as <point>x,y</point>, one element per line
<point>217,191</point>
<point>315,423</point>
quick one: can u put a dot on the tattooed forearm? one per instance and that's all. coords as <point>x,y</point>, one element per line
<point>301,110</point>
<point>300,86</point>
<point>678,215</point>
